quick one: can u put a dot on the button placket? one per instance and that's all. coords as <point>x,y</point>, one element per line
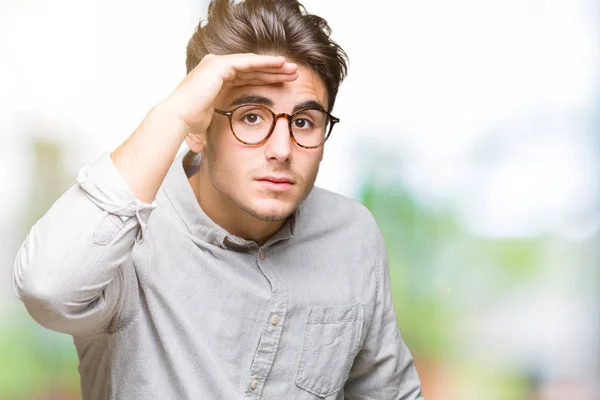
<point>271,333</point>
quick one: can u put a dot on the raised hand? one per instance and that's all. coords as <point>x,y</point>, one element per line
<point>193,101</point>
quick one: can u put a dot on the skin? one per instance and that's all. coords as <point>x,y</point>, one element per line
<point>230,187</point>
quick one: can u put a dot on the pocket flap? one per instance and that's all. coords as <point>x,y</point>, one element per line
<point>330,315</point>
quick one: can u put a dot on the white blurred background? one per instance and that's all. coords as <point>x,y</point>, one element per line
<point>470,128</point>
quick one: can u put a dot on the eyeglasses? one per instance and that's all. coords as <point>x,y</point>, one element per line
<point>253,124</point>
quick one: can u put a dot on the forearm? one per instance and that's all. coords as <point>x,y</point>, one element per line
<point>146,156</point>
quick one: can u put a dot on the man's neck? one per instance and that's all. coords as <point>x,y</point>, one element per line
<point>227,214</point>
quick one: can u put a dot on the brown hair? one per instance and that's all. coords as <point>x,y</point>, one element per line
<point>278,27</point>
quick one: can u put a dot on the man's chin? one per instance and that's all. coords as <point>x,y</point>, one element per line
<point>268,212</point>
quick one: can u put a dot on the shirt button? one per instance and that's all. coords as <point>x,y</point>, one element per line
<point>261,254</point>
<point>254,384</point>
<point>216,243</point>
<point>275,319</point>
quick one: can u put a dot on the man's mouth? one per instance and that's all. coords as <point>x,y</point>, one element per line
<point>276,183</point>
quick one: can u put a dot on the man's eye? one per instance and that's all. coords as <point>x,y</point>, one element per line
<point>252,118</point>
<point>302,123</point>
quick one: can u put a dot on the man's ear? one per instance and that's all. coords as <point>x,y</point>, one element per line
<point>196,142</point>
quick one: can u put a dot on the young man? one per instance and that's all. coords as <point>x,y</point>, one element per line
<point>225,275</point>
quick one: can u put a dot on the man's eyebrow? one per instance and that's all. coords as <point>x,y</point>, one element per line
<point>258,99</point>
<point>251,99</point>
<point>308,104</point>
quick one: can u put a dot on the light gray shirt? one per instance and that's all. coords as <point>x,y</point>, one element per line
<point>163,303</point>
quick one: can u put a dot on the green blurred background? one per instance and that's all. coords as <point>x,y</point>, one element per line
<point>471,130</point>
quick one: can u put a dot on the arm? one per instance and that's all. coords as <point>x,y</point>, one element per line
<point>73,272</point>
<point>383,368</point>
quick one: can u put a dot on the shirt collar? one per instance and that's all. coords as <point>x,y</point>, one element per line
<point>181,195</point>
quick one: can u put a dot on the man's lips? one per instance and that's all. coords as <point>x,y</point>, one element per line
<point>276,183</point>
<point>276,179</point>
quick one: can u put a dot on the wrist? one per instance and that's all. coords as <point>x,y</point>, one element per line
<point>166,117</point>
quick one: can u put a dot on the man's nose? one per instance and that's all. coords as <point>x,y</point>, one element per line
<point>279,146</point>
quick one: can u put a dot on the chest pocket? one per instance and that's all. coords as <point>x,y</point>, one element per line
<point>331,342</point>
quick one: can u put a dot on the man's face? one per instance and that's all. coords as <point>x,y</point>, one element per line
<point>246,175</point>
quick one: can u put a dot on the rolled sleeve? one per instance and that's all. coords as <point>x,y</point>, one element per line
<point>102,183</point>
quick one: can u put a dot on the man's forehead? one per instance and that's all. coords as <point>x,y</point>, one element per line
<point>309,86</point>
<point>256,95</point>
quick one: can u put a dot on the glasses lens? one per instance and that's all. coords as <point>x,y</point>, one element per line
<point>251,123</point>
<point>309,127</point>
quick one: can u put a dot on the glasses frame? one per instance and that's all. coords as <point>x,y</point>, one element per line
<point>289,117</point>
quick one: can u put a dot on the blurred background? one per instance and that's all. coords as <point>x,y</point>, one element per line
<point>470,128</point>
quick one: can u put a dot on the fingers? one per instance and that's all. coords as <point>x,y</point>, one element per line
<point>287,68</point>
<point>250,62</point>
<point>262,78</point>
<point>254,62</point>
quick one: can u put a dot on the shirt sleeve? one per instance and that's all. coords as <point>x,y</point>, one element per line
<point>73,271</point>
<point>383,368</point>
